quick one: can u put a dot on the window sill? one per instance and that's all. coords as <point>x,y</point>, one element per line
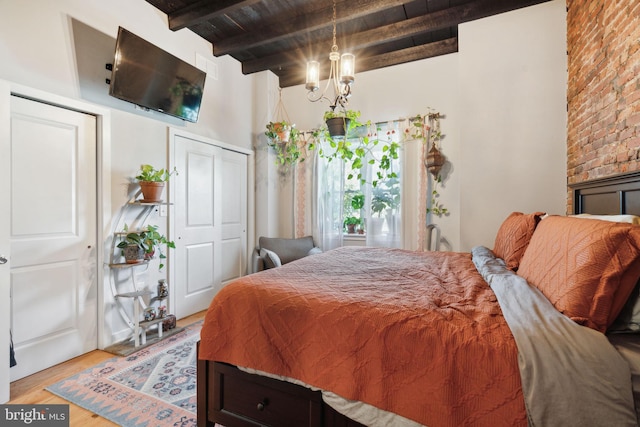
<point>354,236</point>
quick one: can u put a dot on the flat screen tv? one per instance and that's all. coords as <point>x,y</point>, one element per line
<point>150,77</point>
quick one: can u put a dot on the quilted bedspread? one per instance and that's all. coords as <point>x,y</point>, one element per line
<point>417,334</point>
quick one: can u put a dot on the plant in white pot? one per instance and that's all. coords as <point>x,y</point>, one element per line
<point>152,182</point>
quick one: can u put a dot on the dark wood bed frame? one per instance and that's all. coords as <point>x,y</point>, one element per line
<point>608,196</point>
<point>234,398</point>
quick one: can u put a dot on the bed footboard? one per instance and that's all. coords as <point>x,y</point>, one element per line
<point>234,398</point>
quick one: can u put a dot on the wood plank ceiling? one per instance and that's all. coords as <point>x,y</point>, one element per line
<point>281,35</point>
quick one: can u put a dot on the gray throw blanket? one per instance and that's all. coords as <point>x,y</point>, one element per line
<point>571,374</point>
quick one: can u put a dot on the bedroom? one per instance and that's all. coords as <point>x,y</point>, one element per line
<point>477,195</point>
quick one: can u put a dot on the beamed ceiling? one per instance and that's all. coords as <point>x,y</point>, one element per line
<point>281,35</point>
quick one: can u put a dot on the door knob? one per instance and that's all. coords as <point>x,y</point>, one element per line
<point>3,260</point>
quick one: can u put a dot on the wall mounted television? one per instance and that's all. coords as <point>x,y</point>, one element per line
<point>152,78</point>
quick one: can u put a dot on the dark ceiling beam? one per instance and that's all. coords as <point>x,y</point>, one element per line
<point>203,11</point>
<point>416,53</point>
<point>445,18</point>
<point>399,30</point>
<point>430,50</point>
<point>301,22</point>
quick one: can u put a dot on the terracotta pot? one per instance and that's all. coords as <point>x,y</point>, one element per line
<point>151,191</point>
<point>283,131</point>
<point>149,255</point>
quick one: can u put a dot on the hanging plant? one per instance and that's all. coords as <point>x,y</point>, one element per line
<point>279,132</point>
<point>341,122</point>
<point>356,148</point>
<point>433,162</point>
<point>427,129</point>
<point>284,139</point>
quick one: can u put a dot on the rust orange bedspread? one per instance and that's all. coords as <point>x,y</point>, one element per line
<point>417,334</point>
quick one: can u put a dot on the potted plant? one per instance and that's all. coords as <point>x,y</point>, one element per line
<point>279,131</point>
<point>155,241</point>
<point>351,222</point>
<point>283,138</point>
<point>138,246</point>
<point>152,182</point>
<point>339,123</point>
<point>133,248</point>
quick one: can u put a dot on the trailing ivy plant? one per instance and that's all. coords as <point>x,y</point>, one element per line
<point>418,129</point>
<point>436,207</point>
<point>357,148</point>
<point>284,139</point>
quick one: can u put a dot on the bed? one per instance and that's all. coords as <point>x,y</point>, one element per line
<point>387,337</point>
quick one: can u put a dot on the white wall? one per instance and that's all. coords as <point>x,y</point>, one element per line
<point>504,98</point>
<point>513,83</point>
<point>503,95</point>
<point>61,47</point>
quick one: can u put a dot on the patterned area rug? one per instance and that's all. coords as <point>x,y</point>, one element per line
<point>154,387</point>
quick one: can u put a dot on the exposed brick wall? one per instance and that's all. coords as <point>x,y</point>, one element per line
<point>603,133</point>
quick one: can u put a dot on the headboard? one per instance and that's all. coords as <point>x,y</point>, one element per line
<point>618,194</point>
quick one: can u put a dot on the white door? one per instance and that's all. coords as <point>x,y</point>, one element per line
<point>5,258</point>
<point>234,215</point>
<point>197,225</point>
<point>52,235</point>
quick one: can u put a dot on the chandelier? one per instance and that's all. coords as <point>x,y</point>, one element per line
<point>341,74</point>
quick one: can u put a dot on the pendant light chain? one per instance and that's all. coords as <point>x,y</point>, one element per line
<point>341,72</point>
<point>334,48</point>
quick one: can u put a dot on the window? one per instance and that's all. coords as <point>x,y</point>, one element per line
<point>351,208</point>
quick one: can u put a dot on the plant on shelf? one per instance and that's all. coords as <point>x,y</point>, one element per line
<point>284,139</point>
<point>380,200</point>
<point>353,203</point>
<point>138,246</point>
<point>133,247</point>
<point>156,241</point>
<point>152,182</point>
<point>351,222</point>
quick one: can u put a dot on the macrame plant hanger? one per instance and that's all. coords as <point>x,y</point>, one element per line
<point>281,122</point>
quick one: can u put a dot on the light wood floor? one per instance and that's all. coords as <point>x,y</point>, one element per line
<point>30,390</point>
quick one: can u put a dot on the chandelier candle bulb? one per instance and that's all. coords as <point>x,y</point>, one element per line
<point>341,74</point>
<point>313,76</point>
<point>347,68</point>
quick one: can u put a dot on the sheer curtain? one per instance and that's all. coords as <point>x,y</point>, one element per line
<point>384,201</point>
<point>379,217</point>
<point>329,191</point>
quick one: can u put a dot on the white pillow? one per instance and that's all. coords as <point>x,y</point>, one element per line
<point>631,219</point>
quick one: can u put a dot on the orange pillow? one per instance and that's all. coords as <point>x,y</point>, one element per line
<point>587,268</point>
<point>513,237</point>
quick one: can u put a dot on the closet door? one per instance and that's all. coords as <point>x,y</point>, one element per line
<point>234,215</point>
<point>209,199</point>
<point>198,223</point>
